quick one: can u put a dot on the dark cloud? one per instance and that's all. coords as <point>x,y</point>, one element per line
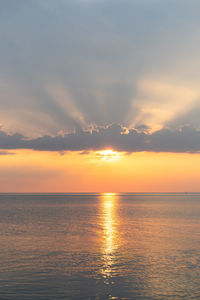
<point>187,139</point>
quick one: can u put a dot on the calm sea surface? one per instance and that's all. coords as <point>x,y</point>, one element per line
<point>100,246</point>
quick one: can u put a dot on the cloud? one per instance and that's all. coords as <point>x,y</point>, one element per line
<point>6,153</point>
<point>64,63</point>
<point>186,139</point>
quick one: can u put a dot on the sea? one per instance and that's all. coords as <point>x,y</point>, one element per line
<point>100,246</point>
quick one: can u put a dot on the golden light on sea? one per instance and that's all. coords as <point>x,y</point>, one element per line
<point>110,240</point>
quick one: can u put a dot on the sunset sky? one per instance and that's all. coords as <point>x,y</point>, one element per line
<point>99,96</point>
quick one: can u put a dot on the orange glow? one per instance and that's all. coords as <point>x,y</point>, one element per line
<point>40,171</point>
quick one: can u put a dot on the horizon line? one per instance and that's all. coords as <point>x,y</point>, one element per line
<point>94,193</point>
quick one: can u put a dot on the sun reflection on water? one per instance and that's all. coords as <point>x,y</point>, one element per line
<point>110,234</point>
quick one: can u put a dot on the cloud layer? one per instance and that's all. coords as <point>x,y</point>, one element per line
<point>64,63</point>
<point>187,139</point>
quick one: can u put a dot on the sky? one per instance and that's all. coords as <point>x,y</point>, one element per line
<point>99,95</point>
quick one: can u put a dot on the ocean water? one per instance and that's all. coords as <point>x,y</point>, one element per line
<point>99,246</point>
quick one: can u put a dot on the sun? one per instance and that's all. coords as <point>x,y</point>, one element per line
<point>107,155</point>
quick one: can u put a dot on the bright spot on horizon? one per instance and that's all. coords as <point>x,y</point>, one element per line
<point>109,194</point>
<point>108,155</point>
